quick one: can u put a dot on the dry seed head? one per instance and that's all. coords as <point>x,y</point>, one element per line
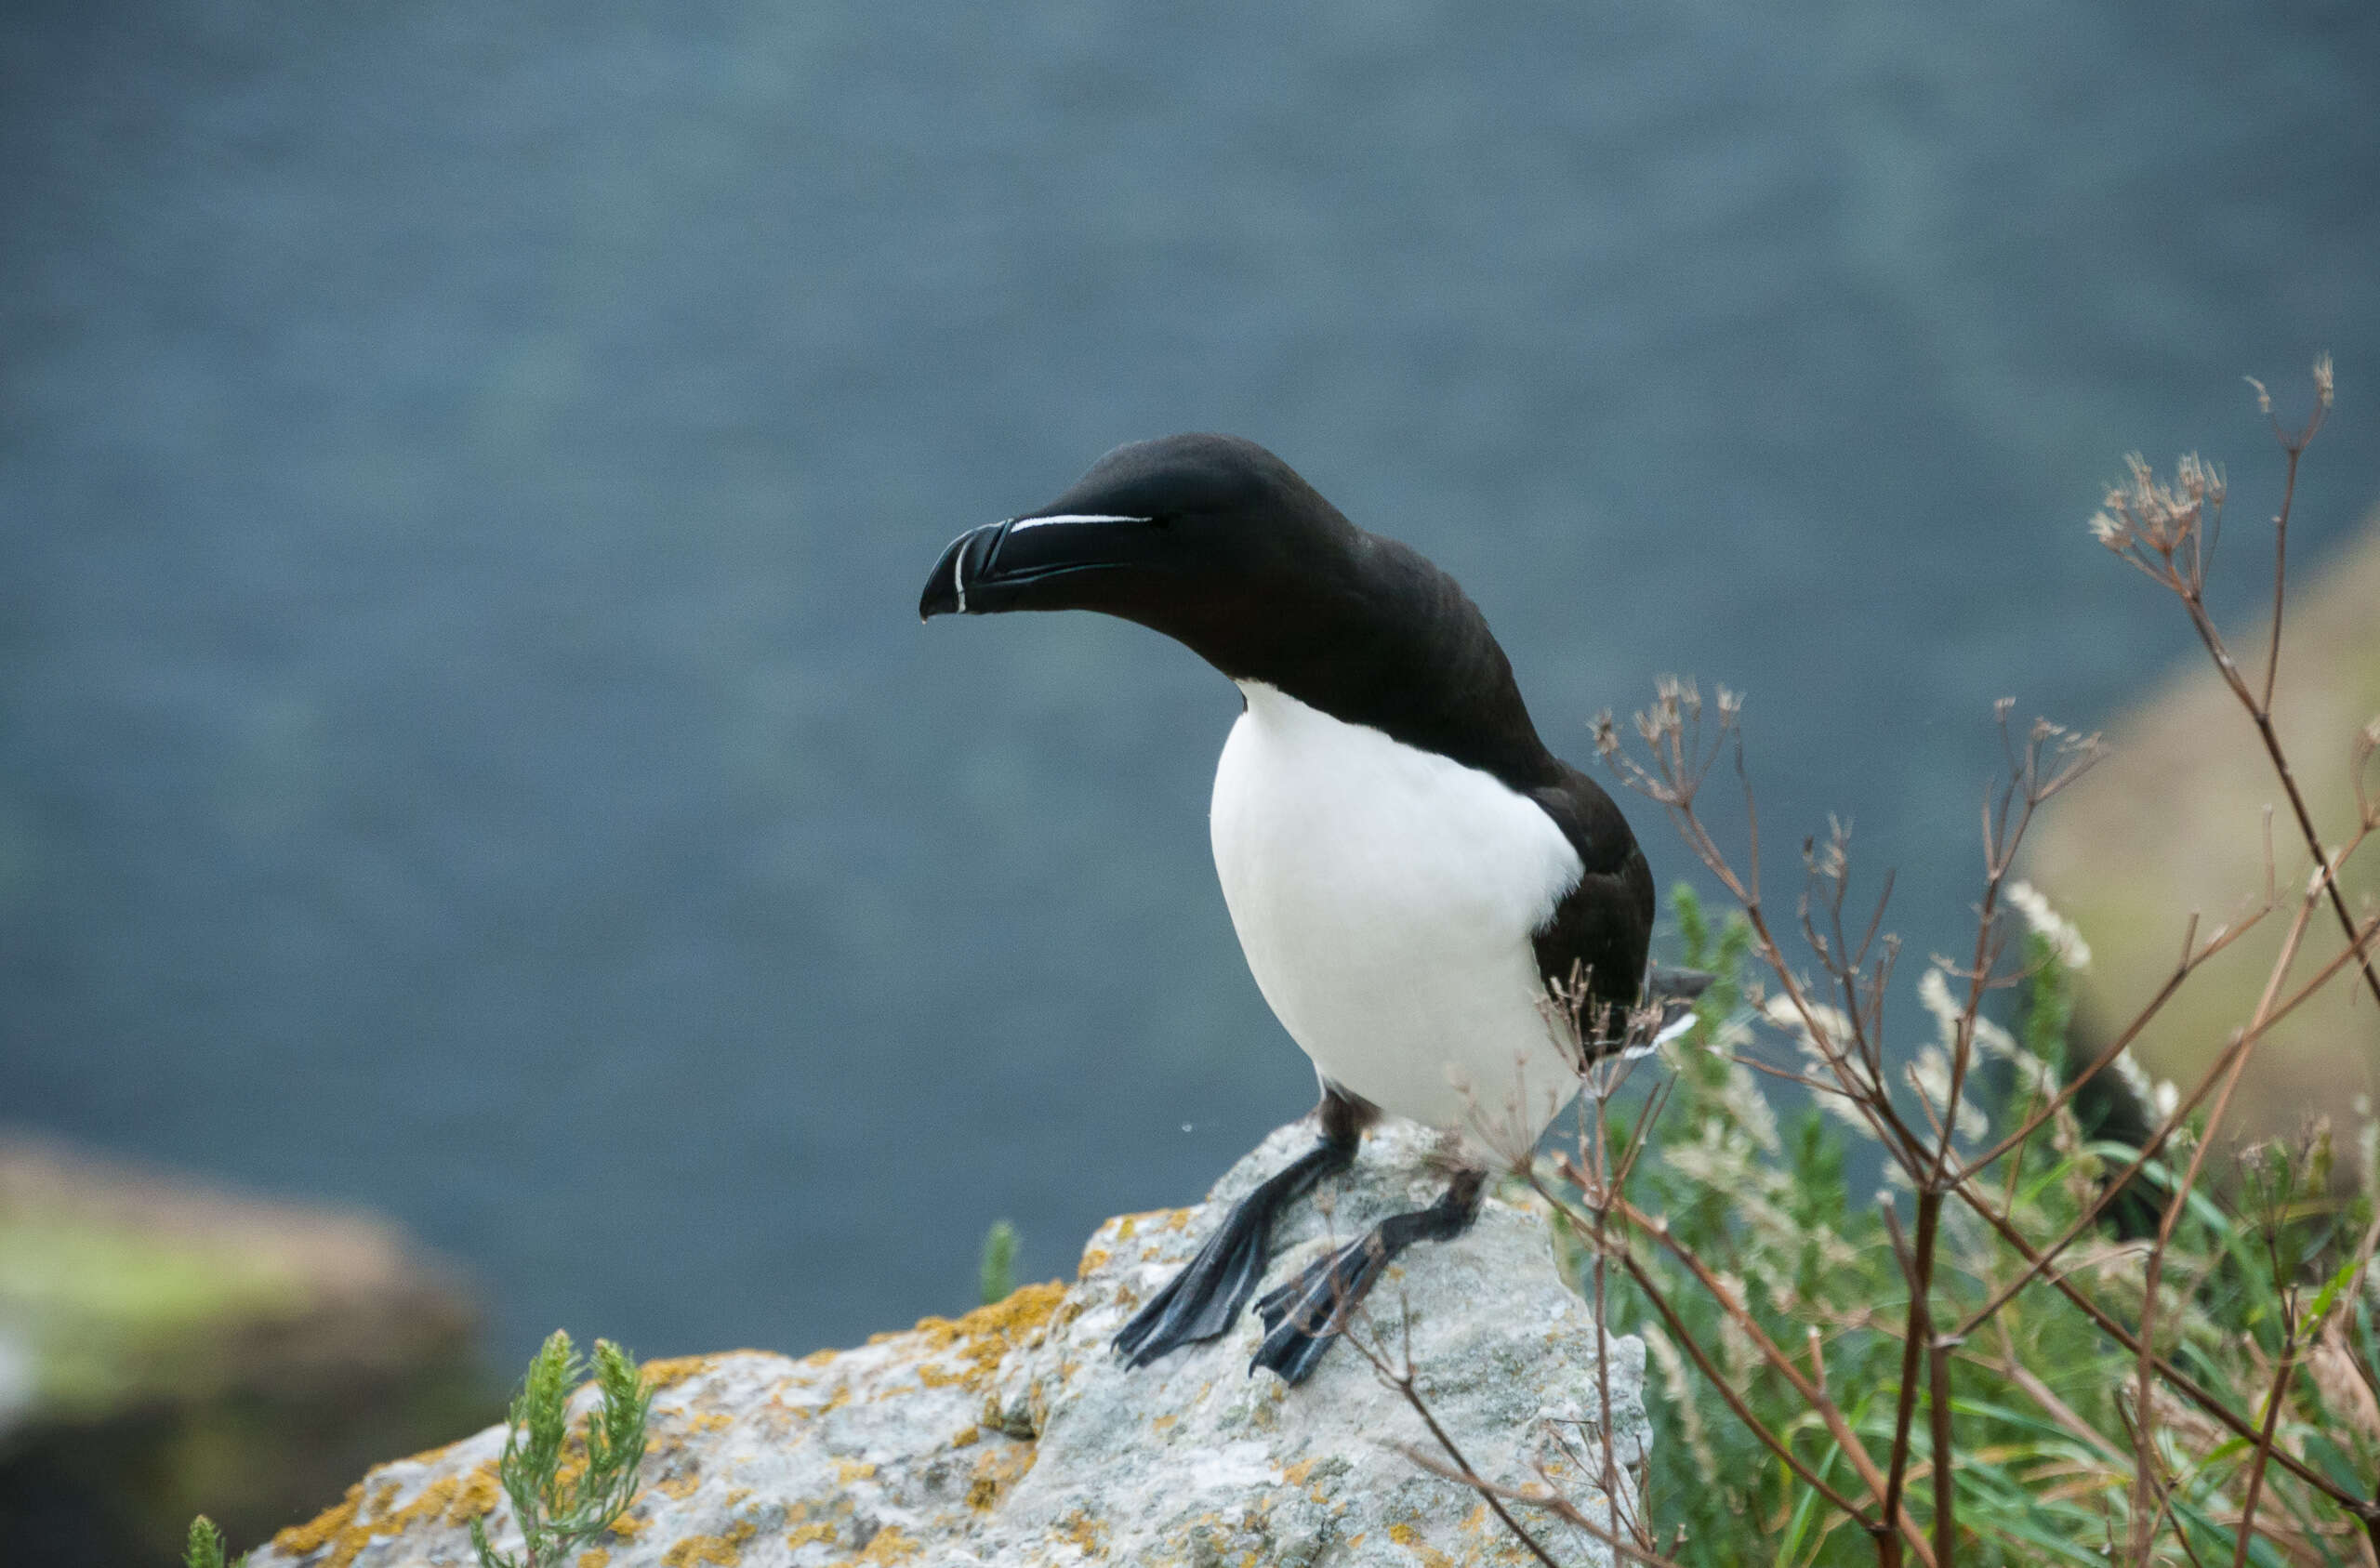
<point>2264,398</point>
<point>2146,510</point>
<point>2325,385</point>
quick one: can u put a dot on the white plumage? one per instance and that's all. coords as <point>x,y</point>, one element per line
<point>1385,897</point>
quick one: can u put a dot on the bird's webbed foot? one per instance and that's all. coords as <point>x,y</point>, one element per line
<point>1302,1317</point>
<point>1204,1300</point>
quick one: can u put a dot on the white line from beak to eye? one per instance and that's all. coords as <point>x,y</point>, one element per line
<point>1023,524</point>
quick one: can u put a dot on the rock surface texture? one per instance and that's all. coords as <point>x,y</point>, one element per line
<point>1012,1436</point>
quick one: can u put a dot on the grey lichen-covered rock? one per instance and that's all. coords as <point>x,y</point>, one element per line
<point>1013,1436</point>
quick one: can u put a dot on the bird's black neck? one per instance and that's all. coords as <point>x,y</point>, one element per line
<point>1394,643</point>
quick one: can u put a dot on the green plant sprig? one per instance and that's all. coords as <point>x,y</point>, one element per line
<point>558,1508</point>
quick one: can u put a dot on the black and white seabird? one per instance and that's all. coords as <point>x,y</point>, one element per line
<point>1409,870</point>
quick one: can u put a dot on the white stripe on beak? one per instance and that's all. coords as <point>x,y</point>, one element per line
<point>1024,524</point>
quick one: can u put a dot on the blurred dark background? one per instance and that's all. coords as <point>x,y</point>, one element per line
<point>466,750</point>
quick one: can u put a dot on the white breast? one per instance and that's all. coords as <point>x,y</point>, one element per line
<point>1385,897</point>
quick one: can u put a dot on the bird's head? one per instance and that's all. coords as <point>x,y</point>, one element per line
<point>1209,539</point>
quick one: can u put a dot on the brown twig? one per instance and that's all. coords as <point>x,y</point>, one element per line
<point>2264,1443</point>
<point>1811,1394</point>
<point>1400,1378</point>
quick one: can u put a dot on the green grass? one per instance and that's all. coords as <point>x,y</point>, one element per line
<point>2043,1426</point>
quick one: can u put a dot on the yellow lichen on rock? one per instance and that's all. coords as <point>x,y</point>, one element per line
<point>1080,1529</point>
<point>350,1527</point>
<point>984,1336</point>
<point>889,1545</point>
<point>659,1374</point>
<point>996,1472</point>
<point>721,1551</point>
<point>1014,1437</point>
<point>476,1496</point>
<point>300,1539</point>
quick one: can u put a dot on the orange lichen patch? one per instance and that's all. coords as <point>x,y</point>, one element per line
<point>1088,1534</point>
<point>300,1539</point>
<point>452,1500</point>
<point>1179,1220</point>
<point>1126,1225</point>
<point>658,1375</point>
<point>724,1552</point>
<point>1411,1539</point>
<point>969,1438</point>
<point>810,1535</point>
<point>996,1471</point>
<point>1092,1258</point>
<point>1295,1475</point>
<point>628,1527</point>
<point>595,1557</point>
<point>819,1358</point>
<point>849,1471</point>
<point>890,1546</point>
<point>476,1496</point>
<point>381,1498</point>
<point>711,1421</point>
<point>980,1338</point>
<point>678,1488</point>
<point>1163,1422</point>
<point>430,1456</point>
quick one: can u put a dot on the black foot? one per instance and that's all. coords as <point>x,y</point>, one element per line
<point>1204,1300</point>
<point>1304,1316</point>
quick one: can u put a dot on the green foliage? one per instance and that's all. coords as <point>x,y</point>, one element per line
<point>205,1547</point>
<point>568,1488</point>
<point>2265,1298</point>
<point>997,1276</point>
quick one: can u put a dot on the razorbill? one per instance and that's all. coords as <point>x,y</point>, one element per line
<point>1412,875</point>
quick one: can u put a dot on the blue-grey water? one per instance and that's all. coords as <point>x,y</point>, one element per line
<point>466,472</point>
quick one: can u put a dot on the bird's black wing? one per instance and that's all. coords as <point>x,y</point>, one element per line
<point>1598,934</point>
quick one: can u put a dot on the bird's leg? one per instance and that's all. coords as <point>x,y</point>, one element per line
<point>1204,1297</point>
<point>1304,1316</point>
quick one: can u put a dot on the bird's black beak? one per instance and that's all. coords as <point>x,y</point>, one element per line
<point>962,565</point>
<point>1024,563</point>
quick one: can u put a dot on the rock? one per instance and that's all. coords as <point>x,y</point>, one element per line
<point>167,1347</point>
<point>2172,822</point>
<point>1013,1436</point>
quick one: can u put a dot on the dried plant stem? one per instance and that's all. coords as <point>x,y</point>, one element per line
<point>1400,1377</point>
<point>1811,1394</point>
<point>1551,1502</point>
<point>1916,1264</point>
<point>2175,1378</point>
<point>1938,1410</point>
<point>1402,1383</point>
<point>2191,959</point>
<point>2280,561</point>
<point>2264,1446</point>
<point>2189,588</point>
<point>2269,1014</point>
